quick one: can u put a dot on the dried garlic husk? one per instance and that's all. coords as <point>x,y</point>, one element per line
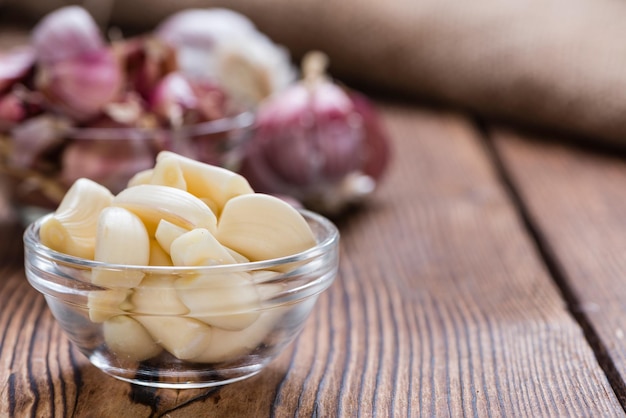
<point>317,143</point>
<point>224,46</point>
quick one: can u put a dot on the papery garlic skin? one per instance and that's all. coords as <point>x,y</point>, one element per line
<point>66,33</point>
<point>77,71</point>
<point>15,64</point>
<point>81,86</point>
<point>31,138</point>
<point>314,142</point>
<point>224,45</point>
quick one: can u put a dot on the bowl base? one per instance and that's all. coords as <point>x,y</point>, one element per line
<point>177,379</point>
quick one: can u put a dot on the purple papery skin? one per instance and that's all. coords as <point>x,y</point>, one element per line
<point>11,110</point>
<point>377,148</point>
<point>172,93</point>
<point>32,138</point>
<point>310,137</point>
<point>15,64</point>
<point>109,162</point>
<point>80,87</point>
<point>66,33</point>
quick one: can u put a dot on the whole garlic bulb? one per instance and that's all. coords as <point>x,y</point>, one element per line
<point>76,71</point>
<point>224,46</point>
<point>317,143</point>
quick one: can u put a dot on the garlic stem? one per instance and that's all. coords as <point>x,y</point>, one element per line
<point>314,65</point>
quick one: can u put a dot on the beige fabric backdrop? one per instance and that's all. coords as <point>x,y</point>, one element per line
<point>559,64</point>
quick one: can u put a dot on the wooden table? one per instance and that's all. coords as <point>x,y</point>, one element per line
<point>485,278</point>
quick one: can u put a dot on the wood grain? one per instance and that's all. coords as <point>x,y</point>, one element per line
<point>577,199</point>
<point>443,307</point>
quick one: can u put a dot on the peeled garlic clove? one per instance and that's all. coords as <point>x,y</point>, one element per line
<point>153,203</point>
<point>184,338</point>
<point>228,345</point>
<point>158,256</point>
<point>236,256</point>
<point>72,229</point>
<point>157,295</point>
<point>105,304</point>
<point>166,233</point>
<point>226,300</point>
<point>199,247</point>
<point>263,227</point>
<point>167,172</point>
<point>129,339</point>
<point>208,181</point>
<point>121,238</point>
<point>142,177</point>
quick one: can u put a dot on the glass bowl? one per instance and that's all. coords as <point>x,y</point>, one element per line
<point>111,156</point>
<point>184,327</point>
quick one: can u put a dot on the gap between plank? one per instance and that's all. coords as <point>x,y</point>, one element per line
<point>554,268</point>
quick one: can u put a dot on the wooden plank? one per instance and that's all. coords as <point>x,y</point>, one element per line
<point>442,308</point>
<point>576,198</point>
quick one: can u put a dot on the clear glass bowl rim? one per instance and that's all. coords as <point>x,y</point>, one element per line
<point>328,243</point>
<point>242,120</point>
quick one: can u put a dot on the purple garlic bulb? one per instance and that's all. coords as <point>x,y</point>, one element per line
<point>317,143</point>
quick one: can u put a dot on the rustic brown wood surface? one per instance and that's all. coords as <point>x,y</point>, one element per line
<point>575,200</point>
<point>484,279</point>
<point>444,305</point>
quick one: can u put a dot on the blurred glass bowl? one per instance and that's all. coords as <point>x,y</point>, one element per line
<point>111,156</point>
<point>153,334</point>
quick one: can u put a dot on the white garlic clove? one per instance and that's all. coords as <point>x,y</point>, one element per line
<point>228,345</point>
<point>105,304</point>
<point>166,233</point>
<point>153,203</point>
<point>207,181</point>
<point>142,177</point>
<point>184,338</point>
<point>167,172</point>
<point>158,256</point>
<point>129,339</point>
<point>121,238</point>
<point>72,228</point>
<point>236,256</point>
<point>199,247</point>
<point>227,300</point>
<point>262,227</point>
<point>157,295</point>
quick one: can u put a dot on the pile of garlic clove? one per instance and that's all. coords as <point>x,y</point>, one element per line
<point>179,213</point>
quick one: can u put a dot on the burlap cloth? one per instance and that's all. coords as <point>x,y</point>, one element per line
<point>559,64</point>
